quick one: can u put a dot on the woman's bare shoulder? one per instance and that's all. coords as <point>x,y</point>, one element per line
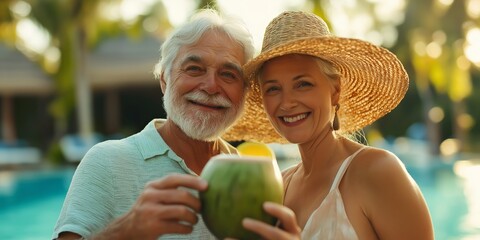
<point>377,170</point>
<point>288,172</point>
<point>376,161</point>
<point>389,196</point>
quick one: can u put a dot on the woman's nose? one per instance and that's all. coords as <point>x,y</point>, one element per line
<point>288,101</point>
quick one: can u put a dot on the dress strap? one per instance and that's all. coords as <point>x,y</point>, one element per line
<point>343,168</point>
<point>288,179</point>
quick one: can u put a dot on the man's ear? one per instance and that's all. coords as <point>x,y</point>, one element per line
<point>163,83</point>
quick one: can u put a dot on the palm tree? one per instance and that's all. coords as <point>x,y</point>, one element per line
<point>75,27</point>
<point>431,47</point>
<point>434,45</point>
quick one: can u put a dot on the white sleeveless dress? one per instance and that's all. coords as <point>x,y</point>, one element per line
<point>329,221</point>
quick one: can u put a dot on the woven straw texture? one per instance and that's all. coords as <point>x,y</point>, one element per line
<point>373,80</point>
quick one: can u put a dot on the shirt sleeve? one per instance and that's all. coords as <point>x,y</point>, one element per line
<point>88,206</point>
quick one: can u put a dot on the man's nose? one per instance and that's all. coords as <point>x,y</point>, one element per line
<point>210,83</point>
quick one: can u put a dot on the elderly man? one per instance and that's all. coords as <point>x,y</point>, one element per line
<point>144,186</point>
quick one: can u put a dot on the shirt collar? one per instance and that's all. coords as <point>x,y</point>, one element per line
<point>151,144</point>
<point>149,141</point>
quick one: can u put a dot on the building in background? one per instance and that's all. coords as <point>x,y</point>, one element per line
<point>125,96</point>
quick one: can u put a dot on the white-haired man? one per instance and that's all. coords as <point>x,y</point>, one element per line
<point>143,186</point>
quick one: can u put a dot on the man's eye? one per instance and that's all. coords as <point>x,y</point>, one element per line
<point>230,75</point>
<point>193,69</point>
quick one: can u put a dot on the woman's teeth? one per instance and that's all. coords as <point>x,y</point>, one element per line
<point>295,118</point>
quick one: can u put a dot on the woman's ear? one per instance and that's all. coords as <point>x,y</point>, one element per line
<point>336,92</point>
<point>163,83</point>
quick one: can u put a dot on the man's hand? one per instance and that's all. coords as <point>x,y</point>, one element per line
<point>163,207</point>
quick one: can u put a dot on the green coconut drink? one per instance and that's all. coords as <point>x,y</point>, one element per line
<point>237,188</point>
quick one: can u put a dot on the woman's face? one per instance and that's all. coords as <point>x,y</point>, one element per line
<point>298,98</point>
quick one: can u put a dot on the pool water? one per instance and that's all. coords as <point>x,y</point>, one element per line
<point>31,221</point>
<point>453,203</point>
<point>30,201</point>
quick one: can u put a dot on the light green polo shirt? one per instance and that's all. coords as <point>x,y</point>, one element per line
<point>111,176</point>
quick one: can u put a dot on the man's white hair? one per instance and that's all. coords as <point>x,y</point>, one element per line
<point>192,31</point>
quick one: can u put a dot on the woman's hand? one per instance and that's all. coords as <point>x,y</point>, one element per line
<point>287,229</point>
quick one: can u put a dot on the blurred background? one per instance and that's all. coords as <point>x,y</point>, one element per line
<point>77,72</point>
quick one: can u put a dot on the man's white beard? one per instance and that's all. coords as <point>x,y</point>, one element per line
<point>199,125</point>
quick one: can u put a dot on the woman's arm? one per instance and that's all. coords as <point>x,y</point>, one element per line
<point>393,202</point>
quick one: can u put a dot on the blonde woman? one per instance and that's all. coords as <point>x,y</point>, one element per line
<point>315,89</point>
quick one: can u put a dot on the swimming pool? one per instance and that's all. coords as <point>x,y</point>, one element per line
<point>30,201</point>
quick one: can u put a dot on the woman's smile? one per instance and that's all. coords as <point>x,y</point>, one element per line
<point>294,120</point>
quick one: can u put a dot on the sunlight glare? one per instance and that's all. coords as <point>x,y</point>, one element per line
<point>257,14</point>
<point>52,58</point>
<point>439,37</point>
<point>473,35</point>
<point>348,3</point>
<point>32,36</point>
<point>472,48</point>
<point>374,21</point>
<point>469,170</point>
<point>375,37</point>
<point>463,63</point>
<point>419,48</point>
<point>109,10</point>
<point>473,8</point>
<point>465,121</point>
<point>389,35</point>
<point>449,147</point>
<point>445,2</point>
<point>21,8</point>
<point>390,11</point>
<point>361,23</point>
<point>434,50</point>
<point>131,9</point>
<point>150,24</point>
<point>473,54</point>
<point>436,114</point>
<point>179,10</point>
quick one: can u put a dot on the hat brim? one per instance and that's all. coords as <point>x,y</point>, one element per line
<point>373,83</point>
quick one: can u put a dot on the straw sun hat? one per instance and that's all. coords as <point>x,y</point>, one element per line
<point>373,80</point>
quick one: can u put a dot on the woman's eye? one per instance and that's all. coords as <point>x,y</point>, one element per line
<point>271,89</point>
<point>304,84</point>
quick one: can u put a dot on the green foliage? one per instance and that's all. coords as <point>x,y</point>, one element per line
<point>55,155</point>
<point>439,76</point>
<point>50,14</point>
<point>5,13</point>
<point>212,4</point>
<point>64,103</point>
<point>319,11</point>
<point>460,84</point>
